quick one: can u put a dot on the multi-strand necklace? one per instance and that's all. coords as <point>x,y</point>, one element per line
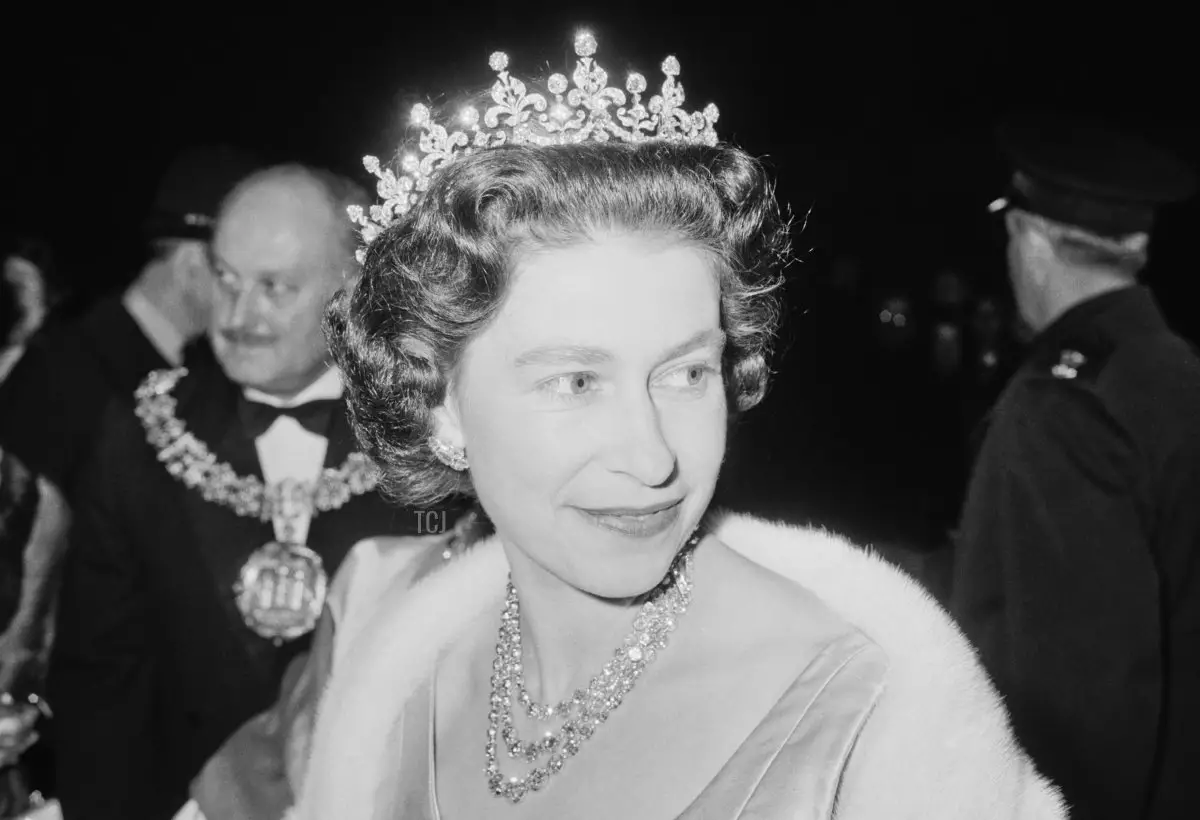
<point>586,709</point>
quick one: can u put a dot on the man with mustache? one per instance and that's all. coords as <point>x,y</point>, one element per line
<point>212,518</point>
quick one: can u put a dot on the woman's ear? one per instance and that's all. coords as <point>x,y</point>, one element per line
<point>447,420</point>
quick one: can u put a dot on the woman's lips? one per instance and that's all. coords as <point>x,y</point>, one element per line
<point>638,522</point>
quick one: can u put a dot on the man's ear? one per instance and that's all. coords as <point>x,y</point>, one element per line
<point>1018,223</point>
<point>188,257</point>
<point>1034,236</point>
<point>344,271</point>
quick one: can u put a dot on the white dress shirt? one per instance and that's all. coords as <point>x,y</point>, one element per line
<point>288,451</point>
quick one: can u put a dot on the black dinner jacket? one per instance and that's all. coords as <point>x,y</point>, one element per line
<point>53,400</point>
<point>153,668</point>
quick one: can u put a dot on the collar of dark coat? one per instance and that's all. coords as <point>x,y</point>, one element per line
<point>132,353</point>
<point>1095,328</point>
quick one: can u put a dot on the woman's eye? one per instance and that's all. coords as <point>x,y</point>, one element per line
<point>570,386</point>
<point>688,377</point>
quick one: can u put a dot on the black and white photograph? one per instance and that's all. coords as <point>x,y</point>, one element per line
<point>621,410</point>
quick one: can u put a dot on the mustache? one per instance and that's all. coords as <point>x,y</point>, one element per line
<point>241,336</point>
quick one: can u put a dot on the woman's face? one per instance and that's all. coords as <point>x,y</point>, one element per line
<point>593,411</point>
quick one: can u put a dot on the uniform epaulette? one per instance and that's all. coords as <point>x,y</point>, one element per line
<point>1079,363</point>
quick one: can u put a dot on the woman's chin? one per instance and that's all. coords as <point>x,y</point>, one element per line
<point>622,589</point>
<point>619,571</point>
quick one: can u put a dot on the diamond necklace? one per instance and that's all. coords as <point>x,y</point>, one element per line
<point>587,708</point>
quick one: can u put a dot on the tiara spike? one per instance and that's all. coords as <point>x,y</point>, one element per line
<point>584,109</point>
<point>585,44</point>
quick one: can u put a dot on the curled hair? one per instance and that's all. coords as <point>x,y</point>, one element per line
<point>434,279</point>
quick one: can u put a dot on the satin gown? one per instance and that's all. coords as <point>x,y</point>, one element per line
<point>789,767</point>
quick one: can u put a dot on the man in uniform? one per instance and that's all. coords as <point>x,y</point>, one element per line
<point>1077,573</point>
<point>213,515</point>
<point>52,402</point>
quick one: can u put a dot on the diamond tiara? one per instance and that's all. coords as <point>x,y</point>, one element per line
<point>584,109</point>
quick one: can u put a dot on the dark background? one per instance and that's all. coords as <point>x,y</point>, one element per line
<point>876,117</point>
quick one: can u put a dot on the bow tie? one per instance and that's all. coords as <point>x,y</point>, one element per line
<point>314,416</point>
